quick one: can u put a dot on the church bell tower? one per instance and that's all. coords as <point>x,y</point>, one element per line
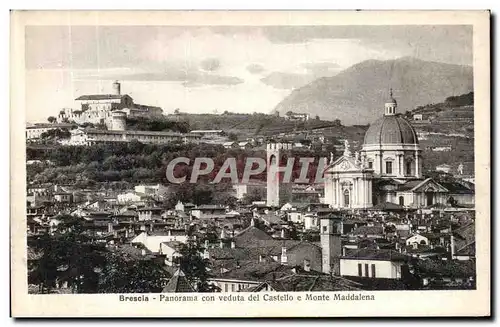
<point>331,245</point>
<point>273,180</point>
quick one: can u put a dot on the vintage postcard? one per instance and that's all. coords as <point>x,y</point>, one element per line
<point>250,164</point>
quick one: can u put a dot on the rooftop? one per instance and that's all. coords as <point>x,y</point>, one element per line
<point>100,97</point>
<point>374,254</point>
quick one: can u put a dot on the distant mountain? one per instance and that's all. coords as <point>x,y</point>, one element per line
<point>357,94</point>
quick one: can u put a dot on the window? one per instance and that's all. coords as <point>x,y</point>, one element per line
<point>401,201</point>
<point>232,287</point>
<point>226,288</point>
<point>346,198</point>
<point>370,164</point>
<point>408,168</point>
<point>366,270</point>
<point>373,271</point>
<point>388,167</point>
<point>360,270</point>
<point>325,229</point>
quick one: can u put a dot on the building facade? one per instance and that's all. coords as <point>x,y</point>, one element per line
<point>87,136</point>
<point>388,169</point>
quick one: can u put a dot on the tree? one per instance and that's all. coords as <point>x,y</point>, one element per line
<point>317,117</point>
<point>177,111</point>
<point>337,122</point>
<point>68,256</point>
<point>256,194</point>
<point>52,119</point>
<point>195,266</point>
<point>132,275</point>
<point>57,133</point>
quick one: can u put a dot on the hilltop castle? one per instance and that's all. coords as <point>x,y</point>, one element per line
<point>109,109</point>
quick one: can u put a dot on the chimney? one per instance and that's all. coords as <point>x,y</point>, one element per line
<point>143,252</point>
<point>151,227</point>
<point>221,244</point>
<point>307,265</point>
<point>110,227</point>
<point>252,222</point>
<point>261,258</point>
<point>233,245</point>
<point>284,258</point>
<point>283,233</point>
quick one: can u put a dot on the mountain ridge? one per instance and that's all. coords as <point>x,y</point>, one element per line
<point>358,93</point>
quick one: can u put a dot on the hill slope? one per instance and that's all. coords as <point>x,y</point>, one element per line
<point>357,94</point>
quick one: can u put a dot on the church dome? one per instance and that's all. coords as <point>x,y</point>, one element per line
<point>390,130</point>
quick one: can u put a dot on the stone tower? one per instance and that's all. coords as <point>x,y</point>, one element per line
<point>118,121</point>
<point>116,88</point>
<point>331,246</point>
<point>273,182</point>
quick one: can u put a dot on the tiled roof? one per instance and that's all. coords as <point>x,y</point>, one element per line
<point>457,188</point>
<point>369,230</point>
<point>271,219</point>
<point>374,254</point>
<point>379,284</point>
<point>313,283</point>
<point>409,185</point>
<point>251,270</point>
<point>468,249</point>
<point>178,284</point>
<point>228,253</point>
<point>250,235</point>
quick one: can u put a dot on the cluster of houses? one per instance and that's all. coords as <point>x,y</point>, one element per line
<point>255,247</point>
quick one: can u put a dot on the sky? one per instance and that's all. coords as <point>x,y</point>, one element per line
<point>213,69</point>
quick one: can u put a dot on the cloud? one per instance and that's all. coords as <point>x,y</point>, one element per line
<point>208,79</point>
<point>188,76</point>
<point>280,80</point>
<point>210,65</point>
<point>255,68</point>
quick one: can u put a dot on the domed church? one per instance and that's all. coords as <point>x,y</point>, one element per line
<point>387,169</point>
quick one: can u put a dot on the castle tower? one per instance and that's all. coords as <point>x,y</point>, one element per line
<point>118,121</point>
<point>331,245</point>
<point>116,88</point>
<point>273,181</point>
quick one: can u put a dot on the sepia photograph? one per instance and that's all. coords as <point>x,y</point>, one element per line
<point>250,160</point>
